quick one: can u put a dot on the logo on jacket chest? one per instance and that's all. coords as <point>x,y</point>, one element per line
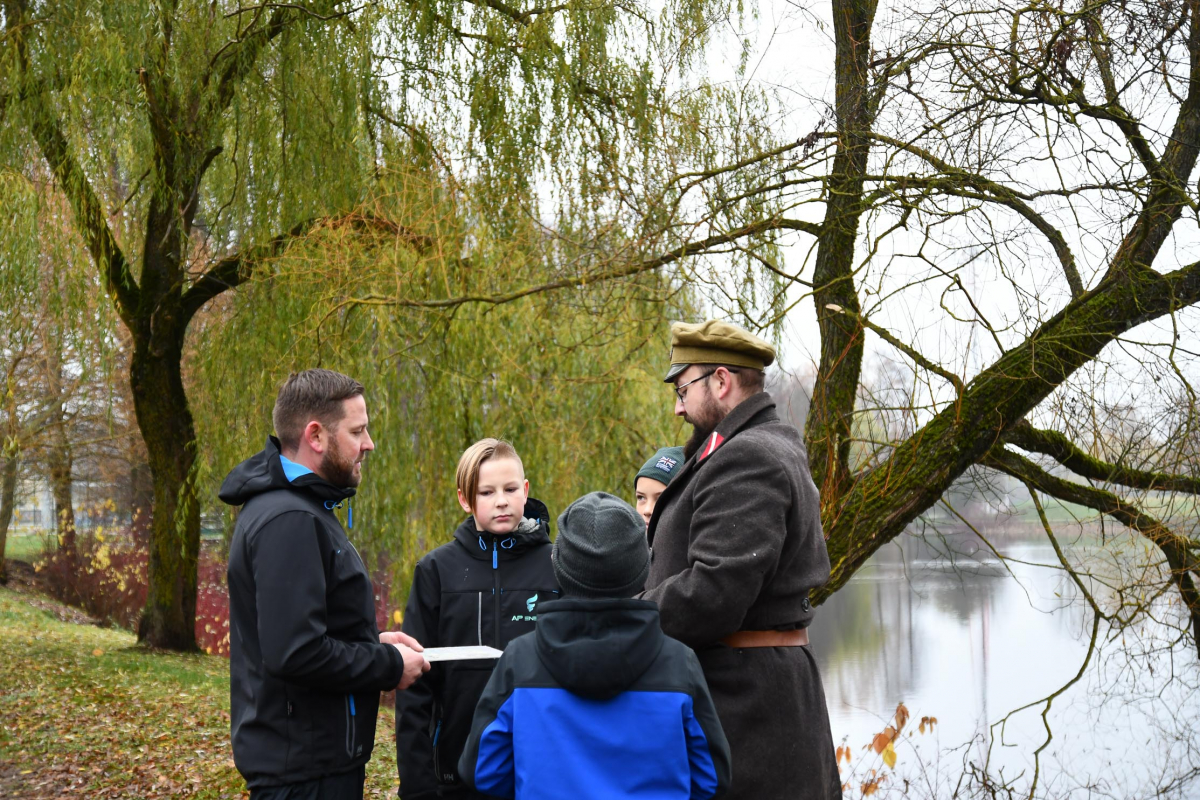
<point>530,605</point>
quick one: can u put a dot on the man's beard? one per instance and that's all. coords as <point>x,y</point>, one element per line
<point>338,468</point>
<point>704,422</point>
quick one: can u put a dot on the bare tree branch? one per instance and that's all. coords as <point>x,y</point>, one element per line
<point>236,269</point>
<point>911,352</point>
<point>626,271</point>
<point>1175,548</point>
<point>1003,195</point>
<point>1067,453</point>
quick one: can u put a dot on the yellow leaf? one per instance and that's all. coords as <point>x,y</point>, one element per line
<point>889,756</point>
<point>882,740</point>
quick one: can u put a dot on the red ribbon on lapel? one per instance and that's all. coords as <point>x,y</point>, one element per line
<point>713,443</point>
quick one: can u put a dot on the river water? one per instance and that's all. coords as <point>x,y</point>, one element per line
<point>940,624</point>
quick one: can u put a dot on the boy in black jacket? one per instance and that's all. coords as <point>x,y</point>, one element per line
<point>597,703</point>
<point>483,587</point>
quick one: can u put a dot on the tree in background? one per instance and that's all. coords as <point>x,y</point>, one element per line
<point>195,141</point>
<point>55,347</point>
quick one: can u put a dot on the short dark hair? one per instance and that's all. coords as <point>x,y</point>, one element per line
<point>312,394</point>
<point>751,380</point>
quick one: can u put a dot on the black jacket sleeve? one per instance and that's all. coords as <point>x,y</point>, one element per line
<point>289,590</point>
<point>415,706</point>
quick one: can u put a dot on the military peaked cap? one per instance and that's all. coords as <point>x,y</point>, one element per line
<point>716,342</point>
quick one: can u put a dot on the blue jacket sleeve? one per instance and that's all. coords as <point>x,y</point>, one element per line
<point>487,764</point>
<point>708,750</point>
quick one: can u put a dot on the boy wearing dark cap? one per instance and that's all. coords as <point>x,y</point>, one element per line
<point>597,702</point>
<point>653,477</point>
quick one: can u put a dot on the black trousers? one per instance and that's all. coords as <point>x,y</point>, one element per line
<point>345,786</point>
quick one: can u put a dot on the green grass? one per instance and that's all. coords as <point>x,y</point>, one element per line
<point>88,714</point>
<point>26,547</point>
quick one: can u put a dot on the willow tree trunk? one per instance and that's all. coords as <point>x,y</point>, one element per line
<point>166,424</point>
<point>61,467</point>
<point>141,500</point>
<point>831,412</point>
<point>8,502</point>
<point>165,420</point>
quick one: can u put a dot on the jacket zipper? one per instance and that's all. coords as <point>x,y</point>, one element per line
<point>437,761</point>
<point>351,733</point>
<point>496,592</point>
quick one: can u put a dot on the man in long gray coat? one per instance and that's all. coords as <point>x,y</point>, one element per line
<point>736,546</point>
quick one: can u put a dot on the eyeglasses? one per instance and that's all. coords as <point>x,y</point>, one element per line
<point>679,390</point>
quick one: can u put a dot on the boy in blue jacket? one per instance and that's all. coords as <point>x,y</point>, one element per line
<point>597,702</point>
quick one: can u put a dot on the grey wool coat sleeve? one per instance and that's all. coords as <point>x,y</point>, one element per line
<point>739,504</point>
<point>736,541</point>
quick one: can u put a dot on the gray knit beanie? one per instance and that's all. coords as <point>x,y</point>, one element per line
<point>601,548</point>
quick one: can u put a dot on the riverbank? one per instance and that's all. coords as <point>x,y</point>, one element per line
<point>88,714</point>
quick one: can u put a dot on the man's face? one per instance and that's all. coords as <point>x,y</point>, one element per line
<point>348,445</point>
<point>699,408</point>
<point>499,497</point>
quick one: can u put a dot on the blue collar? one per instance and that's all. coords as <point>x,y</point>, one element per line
<point>292,470</point>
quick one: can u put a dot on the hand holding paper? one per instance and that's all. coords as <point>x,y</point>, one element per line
<point>415,664</point>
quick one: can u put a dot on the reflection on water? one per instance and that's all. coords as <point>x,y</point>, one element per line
<point>954,635</point>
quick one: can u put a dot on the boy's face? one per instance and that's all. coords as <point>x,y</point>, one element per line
<point>647,492</point>
<point>500,497</point>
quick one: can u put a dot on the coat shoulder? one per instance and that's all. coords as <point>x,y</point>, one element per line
<point>753,446</point>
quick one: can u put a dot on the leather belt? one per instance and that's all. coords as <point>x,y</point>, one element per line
<point>797,638</point>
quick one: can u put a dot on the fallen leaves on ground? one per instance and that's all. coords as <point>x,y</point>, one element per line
<point>88,714</point>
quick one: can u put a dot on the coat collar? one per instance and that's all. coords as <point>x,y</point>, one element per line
<point>750,412</point>
<point>746,413</point>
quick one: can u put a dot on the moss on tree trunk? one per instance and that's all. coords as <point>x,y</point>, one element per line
<point>165,420</point>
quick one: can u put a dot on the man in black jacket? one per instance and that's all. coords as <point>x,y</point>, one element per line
<point>307,662</point>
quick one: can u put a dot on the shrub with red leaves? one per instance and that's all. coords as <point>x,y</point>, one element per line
<point>106,577</point>
<point>212,605</point>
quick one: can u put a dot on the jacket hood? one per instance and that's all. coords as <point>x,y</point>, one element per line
<point>263,472</point>
<point>533,530</point>
<point>598,647</point>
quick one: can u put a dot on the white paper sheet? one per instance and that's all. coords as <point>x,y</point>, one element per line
<point>460,653</point>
